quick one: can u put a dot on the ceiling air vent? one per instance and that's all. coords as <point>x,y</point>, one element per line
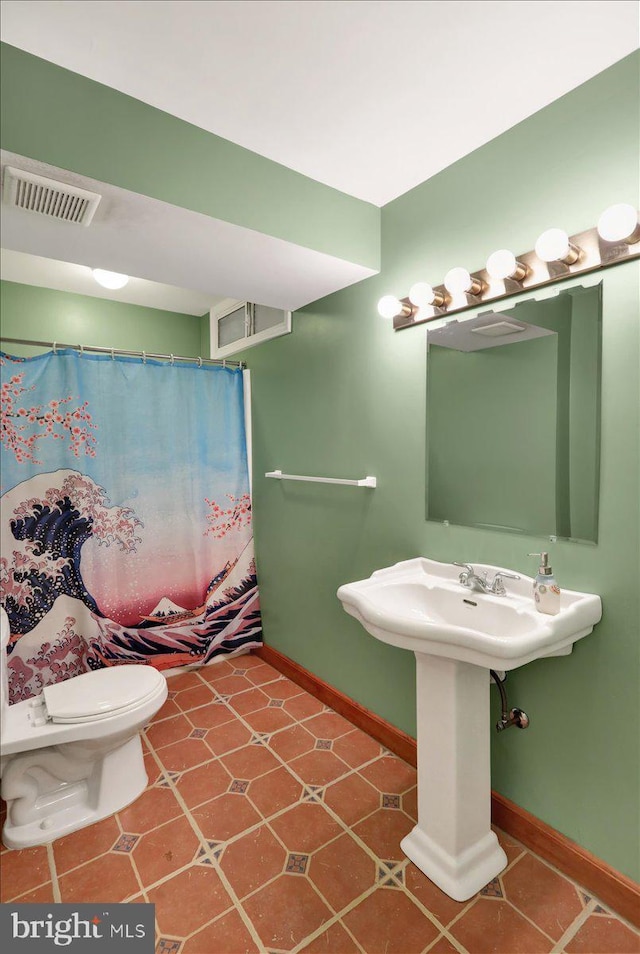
<point>56,200</point>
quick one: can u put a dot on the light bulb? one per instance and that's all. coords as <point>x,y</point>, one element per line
<point>109,279</point>
<point>619,223</point>
<point>503,264</point>
<point>422,295</point>
<point>389,306</point>
<point>458,281</point>
<point>554,246</point>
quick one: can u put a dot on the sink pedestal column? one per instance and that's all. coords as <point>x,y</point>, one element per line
<point>453,843</point>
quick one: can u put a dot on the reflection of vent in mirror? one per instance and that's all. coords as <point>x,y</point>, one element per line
<point>56,200</point>
<point>488,330</point>
<point>497,328</point>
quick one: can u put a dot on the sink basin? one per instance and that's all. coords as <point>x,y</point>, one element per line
<point>420,605</point>
<point>457,635</point>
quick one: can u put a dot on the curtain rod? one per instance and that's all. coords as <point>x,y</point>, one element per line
<point>117,351</point>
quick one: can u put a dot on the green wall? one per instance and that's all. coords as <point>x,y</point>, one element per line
<point>42,314</point>
<point>345,396</point>
<point>56,116</point>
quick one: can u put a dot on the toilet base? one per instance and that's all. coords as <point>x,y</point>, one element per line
<point>38,813</point>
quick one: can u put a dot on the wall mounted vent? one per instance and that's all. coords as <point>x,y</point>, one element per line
<point>56,200</point>
<point>237,325</point>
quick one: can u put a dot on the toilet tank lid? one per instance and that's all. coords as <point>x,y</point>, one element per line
<point>101,691</point>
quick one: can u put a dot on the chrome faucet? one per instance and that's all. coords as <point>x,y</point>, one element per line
<point>472,581</point>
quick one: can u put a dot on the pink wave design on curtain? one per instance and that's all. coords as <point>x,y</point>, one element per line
<point>44,593</point>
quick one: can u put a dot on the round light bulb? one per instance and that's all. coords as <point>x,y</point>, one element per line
<point>503,264</point>
<point>389,306</point>
<point>554,246</point>
<point>422,295</point>
<point>107,279</point>
<point>458,281</point>
<point>619,223</point>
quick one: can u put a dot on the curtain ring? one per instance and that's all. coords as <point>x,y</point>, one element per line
<point>81,350</point>
<point>172,360</point>
<point>55,348</point>
<point>144,357</point>
<point>224,362</point>
<point>113,358</point>
<point>199,361</point>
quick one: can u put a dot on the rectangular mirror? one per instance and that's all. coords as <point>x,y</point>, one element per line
<point>513,418</point>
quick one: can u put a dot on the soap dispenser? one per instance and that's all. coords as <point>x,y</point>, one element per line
<point>546,591</point>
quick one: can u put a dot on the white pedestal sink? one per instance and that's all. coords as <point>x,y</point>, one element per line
<point>457,635</point>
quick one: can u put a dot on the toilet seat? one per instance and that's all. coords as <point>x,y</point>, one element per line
<point>101,694</point>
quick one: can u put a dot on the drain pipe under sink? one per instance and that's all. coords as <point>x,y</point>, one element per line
<point>509,717</point>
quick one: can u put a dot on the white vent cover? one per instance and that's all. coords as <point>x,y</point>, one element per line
<point>56,200</point>
<point>498,328</point>
<point>484,331</point>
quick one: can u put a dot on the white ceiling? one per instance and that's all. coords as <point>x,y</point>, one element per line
<point>371,97</point>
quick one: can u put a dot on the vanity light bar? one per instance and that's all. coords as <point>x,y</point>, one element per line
<point>557,256</point>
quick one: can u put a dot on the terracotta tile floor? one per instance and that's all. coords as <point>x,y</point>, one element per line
<point>271,824</point>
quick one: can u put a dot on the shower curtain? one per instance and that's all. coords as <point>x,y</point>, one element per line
<point>125,527</point>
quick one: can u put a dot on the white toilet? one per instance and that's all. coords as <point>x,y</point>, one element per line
<point>73,755</point>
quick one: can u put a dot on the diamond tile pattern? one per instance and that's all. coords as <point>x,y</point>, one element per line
<point>390,874</point>
<point>297,864</point>
<point>260,738</point>
<point>492,890</point>
<point>165,780</point>
<point>239,786</point>
<point>390,801</point>
<point>270,823</point>
<point>213,852</point>
<point>125,843</point>
<point>166,946</point>
<point>312,793</point>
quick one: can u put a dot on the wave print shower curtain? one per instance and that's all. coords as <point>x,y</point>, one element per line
<point>125,529</point>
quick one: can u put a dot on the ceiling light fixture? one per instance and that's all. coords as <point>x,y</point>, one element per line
<point>111,280</point>
<point>619,223</point>
<point>503,264</point>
